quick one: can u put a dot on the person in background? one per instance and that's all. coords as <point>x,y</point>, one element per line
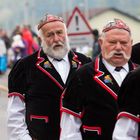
<point>16,30</point>
<point>4,36</point>
<point>18,47</point>
<point>135,56</point>
<point>7,43</point>
<point>96,46</point>
<point>128,120</point>
<point>36,83</point>
<point>27,36</point>
<point>36,41</point>
<point>89,103</point>
<point>3,58</point>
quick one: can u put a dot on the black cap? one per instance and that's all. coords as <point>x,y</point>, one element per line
<point>49,18</point>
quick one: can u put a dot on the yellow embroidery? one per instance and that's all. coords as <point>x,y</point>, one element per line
<point>107,79</point>
<point>47,64</point>
<point>74,64</point>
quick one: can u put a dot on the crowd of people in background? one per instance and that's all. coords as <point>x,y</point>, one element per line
<point>23,41</point>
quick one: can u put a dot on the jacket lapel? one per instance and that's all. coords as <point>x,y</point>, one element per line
<point>45,66</point>
<point>75,64</point>
<point>104,78</point>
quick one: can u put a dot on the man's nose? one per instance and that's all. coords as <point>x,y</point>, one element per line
<point>56,37</point>
<point>118,45</point>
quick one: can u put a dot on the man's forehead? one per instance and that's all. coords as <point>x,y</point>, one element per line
<point>118,31</point>
<point>53,26</point>
<point>116,34</point>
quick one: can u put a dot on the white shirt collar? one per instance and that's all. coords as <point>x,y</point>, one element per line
<point>111,68</point>
<point>65,58</point>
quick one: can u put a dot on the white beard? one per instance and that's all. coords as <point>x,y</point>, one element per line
<point>57,53</point>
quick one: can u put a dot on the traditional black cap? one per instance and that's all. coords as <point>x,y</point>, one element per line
<point>49,18</point>
<point>116,23</point>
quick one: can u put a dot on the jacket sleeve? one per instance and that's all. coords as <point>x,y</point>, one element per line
<point>126,129</point>
<point>17,84</point>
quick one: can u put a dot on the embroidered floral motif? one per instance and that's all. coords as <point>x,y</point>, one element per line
<point>74,64</point>
<point>107,79</point>
<point>47,64</point>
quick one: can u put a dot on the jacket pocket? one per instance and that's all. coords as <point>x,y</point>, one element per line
<point>38,117</point>
<point>92,129</point>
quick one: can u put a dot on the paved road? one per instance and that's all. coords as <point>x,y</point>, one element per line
<point>3,105</point>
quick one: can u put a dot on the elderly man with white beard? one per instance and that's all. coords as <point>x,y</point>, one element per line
<point>36,83</point>
<point>89,104</point>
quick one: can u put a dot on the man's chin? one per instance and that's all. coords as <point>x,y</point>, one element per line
<point>119,62</point>
<point>58,54</point>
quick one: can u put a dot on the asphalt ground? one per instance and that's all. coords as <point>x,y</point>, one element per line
<point>3,104</point>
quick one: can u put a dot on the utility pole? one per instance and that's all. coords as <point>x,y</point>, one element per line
<point>33,13</point>
<point>64,9</point>
<point>86,9</point>
<point>67,9</point>
<point>70,7</point>
<point>26,12</point>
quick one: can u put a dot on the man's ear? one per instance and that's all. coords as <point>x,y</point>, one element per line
<point>132,42</point>
<point>39,39</point>
<point>100,41</point>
